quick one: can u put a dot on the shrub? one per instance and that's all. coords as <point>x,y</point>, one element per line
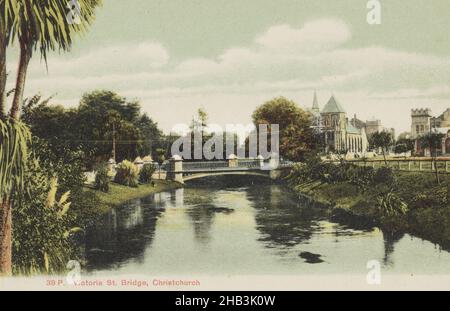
<point>102,179</point>
<point>391,205</point>
<point>384,175</point>
<point>147,171</point>
<point>43,226</point>
<point>127,174</point>
<point>67,164</point>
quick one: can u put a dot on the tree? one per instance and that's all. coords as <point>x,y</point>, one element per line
<point>151,135</point>
<point>160,158</point>
<point>3,45</point>
<point>104,119</point>
<point>296,134</point>
<point>35,24</point>
<point>432,141</point>
<point>14,140</point>
<point>7,16</point>
<point>382,140</point>
<point>404,145</point>
<point>43,25</point>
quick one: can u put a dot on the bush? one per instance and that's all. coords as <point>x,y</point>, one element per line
<point>66,163</point>
<point>147,171</point>
<point>127,174</point>
<point>391,205</point>
<point>43,226</point>
<point>102,179</point>
<point>384,175</point>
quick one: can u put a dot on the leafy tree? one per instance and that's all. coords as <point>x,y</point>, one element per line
<point>160,157</point>
<point>296,134</point>
<point>102,178</point>
<point>382,140</point>
<point>432,141</point>
<point>404,145</point>
<point>103,123</point>
<point>152,137</point>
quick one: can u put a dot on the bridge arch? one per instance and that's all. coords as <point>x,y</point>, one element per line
<point>210,174</point>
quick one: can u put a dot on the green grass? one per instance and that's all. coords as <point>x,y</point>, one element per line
<point>119,194</point>
<point>429,210</point>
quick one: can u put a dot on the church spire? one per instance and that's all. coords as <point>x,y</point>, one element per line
<point>315,107</point>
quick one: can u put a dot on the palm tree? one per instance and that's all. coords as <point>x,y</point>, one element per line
<point>44,25</point>
<point>36,24</point>
<point>6,18</point>
<point>2,69</point>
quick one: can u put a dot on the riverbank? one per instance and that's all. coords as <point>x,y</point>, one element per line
<point>119,194</point>
<point>427,212</point>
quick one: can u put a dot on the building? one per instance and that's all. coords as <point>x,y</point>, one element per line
<point>339,133</point>
<point>373,126</point>
<point>443,121</point>
<point>422,123</point>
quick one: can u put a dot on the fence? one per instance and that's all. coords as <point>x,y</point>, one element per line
<point>409,165</point>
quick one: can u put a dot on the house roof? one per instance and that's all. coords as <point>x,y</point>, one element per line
<point>351,129</point>
<point>442,130</point>
<point>333,106</point>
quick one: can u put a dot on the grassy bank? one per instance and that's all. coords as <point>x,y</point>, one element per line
<point>119,194</point>
<point>427,213</point>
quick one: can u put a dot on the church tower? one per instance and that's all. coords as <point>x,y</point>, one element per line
<point>315,108</point>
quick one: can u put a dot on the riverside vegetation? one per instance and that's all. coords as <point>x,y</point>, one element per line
<point>395,201</point>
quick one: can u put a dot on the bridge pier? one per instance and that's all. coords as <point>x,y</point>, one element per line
<point>233,161</point>
<point>175,172</point>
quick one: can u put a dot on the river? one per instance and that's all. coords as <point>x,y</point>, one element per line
<point>223,228</point>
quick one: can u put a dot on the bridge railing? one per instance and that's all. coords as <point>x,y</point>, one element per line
<point>249,163</point>
<point>204,165</point>
<point>231,164</point>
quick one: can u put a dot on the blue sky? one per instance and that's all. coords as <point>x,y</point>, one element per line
<point>228,57</point>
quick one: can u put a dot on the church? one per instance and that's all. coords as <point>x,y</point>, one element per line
<point>339,134</point>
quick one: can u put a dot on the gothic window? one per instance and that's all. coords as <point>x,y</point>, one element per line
<point>417,128</point>
<point>422,129</point>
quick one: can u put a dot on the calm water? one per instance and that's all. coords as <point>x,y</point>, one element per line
<point>256,229</point>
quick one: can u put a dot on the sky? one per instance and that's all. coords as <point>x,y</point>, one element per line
<point>230,56</point>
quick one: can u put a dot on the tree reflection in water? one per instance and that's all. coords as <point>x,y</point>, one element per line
<point>124,233</point>
<point>269,214</point>
<point>288,228</point>
<point>390,239</point>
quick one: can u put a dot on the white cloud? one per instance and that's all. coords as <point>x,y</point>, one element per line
<point>281,61</point>
<point>121,59</point>
<point>314,36</point>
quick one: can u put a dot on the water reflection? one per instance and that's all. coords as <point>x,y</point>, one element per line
<point>123,234</point>
<point>390,239</point>
<point>244,228</point>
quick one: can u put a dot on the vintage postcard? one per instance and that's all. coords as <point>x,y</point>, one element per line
<point>224,145</point>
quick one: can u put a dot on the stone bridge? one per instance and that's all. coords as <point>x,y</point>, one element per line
<point>182,171</point>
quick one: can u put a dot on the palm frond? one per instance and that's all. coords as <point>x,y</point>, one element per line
<point>14,139</point>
